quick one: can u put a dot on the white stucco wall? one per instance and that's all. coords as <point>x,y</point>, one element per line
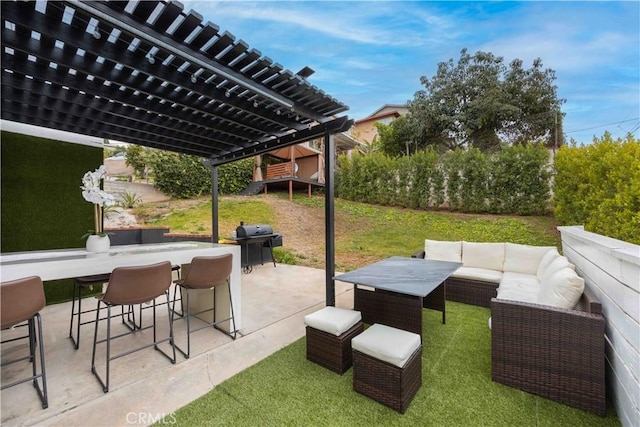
<point>611,269</point>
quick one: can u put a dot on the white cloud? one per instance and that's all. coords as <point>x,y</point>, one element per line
<point>370,53</point>
<point>372,23</point>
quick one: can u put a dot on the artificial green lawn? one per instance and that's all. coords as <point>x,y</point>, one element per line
<point>287,390</point>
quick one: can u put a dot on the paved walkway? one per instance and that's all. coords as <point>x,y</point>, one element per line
<point>144,385</point>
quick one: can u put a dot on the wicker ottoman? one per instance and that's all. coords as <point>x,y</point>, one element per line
<point>387,365</point>
<point>329,334</point>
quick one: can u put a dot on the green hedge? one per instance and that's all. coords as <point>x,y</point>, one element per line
<point>598,186</point>
<point>235,177</point>
<point>42,205</point>
<point>513,180</point>
<point>183,177</point>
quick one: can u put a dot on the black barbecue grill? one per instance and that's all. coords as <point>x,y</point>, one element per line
<point>257,243</point>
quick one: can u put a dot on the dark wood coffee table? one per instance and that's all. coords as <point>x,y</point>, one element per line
<point>402,287</point>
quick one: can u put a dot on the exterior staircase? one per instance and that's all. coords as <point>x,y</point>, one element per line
<point>253,189</point>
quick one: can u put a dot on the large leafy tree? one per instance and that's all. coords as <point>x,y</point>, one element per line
<point>396,138</point>
<point>481,102</point>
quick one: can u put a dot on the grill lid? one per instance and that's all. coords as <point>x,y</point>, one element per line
<point>253,230</point>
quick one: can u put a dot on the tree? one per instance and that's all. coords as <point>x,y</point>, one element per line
<point>482,103</point>
<point>368,147</point>
<point>396,138</point>
<point>137,158</point>
<point>537,117</point>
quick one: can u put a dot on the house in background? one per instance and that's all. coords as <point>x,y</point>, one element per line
<point>364,130</point>
<point>294,167</point>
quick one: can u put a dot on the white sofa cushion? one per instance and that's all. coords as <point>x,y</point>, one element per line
<point>392,345</point>
<point>519,287</point>
<point>443,251</point>
<point>483,255</point>
<point>546,260</point>
<point>481,274</point>
<point>518,294</point>
<point>520,279</point>
<point>557,264</point>
<point>333,320</point>
<point>562,289</point>
<point>523,258</point>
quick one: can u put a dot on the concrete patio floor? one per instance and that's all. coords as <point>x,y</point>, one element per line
<point>145,386</point>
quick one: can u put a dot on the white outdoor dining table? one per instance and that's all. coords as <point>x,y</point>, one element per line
<point>69,263</point>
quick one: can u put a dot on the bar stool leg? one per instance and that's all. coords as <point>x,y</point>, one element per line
<point>42,392</point>
<point>77,293</point>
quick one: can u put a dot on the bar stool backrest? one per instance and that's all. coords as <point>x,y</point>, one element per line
<point>20,300</point>
<point>135,285</point>
<point>208,271</point>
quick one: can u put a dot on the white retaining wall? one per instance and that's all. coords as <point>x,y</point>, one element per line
<point>611,270</point>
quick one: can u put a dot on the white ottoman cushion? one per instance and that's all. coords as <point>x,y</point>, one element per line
<point>443,251</point>
<point>391,345</point>
<point>333,320</point>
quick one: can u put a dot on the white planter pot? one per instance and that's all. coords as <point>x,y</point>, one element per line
<point>97,243</point>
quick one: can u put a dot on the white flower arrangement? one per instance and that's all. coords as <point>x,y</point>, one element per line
<point>92,193</point>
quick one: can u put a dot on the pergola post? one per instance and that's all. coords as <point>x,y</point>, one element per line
<point>215,234</point>
<point>329,223</point>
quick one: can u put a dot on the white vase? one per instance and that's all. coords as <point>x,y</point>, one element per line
<point>97,243</point>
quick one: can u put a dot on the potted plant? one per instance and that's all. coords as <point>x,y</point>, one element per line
<point>97,239</point>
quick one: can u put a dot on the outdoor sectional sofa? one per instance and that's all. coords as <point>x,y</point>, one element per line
<point>547,330</point>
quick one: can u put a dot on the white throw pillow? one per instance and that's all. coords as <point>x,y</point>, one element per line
<point>557,264</point>
<point>483,255</point>
<point>563,289</point>
<point>546,260</point>
<point>443,251</point>
<point>523,258</point>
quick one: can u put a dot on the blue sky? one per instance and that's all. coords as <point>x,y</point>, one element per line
<point>370,53</point>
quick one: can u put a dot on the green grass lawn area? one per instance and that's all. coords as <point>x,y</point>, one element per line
<point>286,389</point>
<point>197,219</point>
<point>365,233</point>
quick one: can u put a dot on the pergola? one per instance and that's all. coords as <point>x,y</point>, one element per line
<point>149,73</point>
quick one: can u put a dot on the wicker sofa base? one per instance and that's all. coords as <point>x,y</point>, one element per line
<point>332,352</point>
<point>551,352</point>
<point>385,383</point>
<point>472,292</point>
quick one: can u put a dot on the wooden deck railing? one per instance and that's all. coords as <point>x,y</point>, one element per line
<point>279,170</point>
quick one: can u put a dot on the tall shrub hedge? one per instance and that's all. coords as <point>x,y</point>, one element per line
<point>514,180</point>
<point>183,176</point>
<point>598,186</point>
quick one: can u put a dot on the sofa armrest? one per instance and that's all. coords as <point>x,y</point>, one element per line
<point>548,351</point>
<point>589,303</point>
<point>418,255</point>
